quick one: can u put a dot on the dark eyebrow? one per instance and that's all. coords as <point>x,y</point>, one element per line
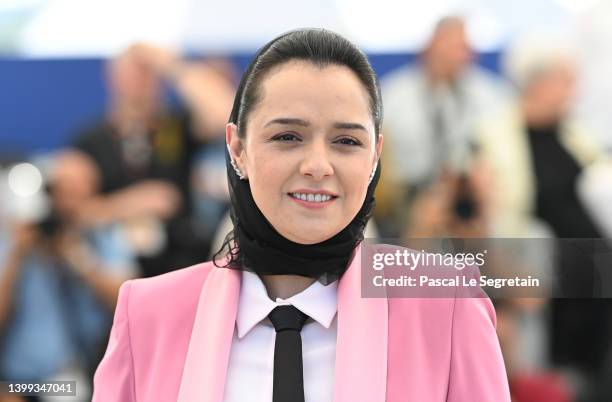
<point>303,123</point>
<point>288,121</point>
<point>350,126</point>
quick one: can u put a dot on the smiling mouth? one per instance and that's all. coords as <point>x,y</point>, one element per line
<point>312,197</point>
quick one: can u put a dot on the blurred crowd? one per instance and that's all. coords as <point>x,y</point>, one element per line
<point>468,153</point>
<point>138,193</point>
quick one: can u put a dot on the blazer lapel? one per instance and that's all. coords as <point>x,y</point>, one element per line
<point>211,338</point>
<point>361,346</point>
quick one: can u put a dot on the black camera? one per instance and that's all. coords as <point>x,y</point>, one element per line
<point>51,223</point>
<point>465,206</point>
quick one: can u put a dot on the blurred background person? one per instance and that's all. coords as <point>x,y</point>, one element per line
<point>59,282</point>
<point>594,48</point>
<point>431,111</point>
<point>145,153</point>
<point>535,148</point>
<point>537,154</point>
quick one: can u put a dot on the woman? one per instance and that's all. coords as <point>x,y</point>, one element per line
<point>303,149</point>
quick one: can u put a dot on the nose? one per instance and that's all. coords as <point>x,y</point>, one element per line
<point>316,162</point>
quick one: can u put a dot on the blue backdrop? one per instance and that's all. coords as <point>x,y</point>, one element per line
<point>43,103</point>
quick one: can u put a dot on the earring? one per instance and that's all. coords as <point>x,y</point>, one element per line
<point>240,175</point>
<point>373,172</point>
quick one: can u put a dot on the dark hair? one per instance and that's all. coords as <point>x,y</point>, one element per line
<point>317,46</point>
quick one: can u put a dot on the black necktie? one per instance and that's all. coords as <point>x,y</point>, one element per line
<point>288,370</point>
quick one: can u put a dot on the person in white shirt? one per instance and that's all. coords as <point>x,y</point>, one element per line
<point>432,108</point>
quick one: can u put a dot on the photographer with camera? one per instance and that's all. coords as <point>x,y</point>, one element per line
<point>146,152</point>
<point>59,282</point>
<point>432,110</point>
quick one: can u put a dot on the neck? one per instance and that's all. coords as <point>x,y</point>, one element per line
<point>285,286</point>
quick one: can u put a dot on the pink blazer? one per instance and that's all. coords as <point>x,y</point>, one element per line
<point>172,334</point>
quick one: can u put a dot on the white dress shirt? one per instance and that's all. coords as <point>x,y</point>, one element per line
<point>251,363</point>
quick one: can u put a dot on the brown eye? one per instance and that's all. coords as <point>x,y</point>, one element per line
<point>287,137</point>
<point>348,141</point>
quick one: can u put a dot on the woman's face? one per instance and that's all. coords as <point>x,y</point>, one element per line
<point>309,149</point>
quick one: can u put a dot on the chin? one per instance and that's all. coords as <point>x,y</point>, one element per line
<point>310,239</point>
<point>312,236</point>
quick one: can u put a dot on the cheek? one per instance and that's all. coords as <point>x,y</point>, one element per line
<point>355,185</point>
<point>266,178</point>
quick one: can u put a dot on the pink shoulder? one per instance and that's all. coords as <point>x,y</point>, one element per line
<point>167,298</point>
<point>183,280</point>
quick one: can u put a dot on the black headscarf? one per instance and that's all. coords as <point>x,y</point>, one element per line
<point>261,249</point>
<point>265,251</point>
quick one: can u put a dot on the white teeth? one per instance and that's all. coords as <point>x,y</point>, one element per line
<point>312,197</point>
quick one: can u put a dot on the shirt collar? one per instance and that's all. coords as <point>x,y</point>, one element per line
<point>317,301</point>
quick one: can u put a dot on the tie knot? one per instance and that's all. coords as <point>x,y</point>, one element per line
<point>287,317</point>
